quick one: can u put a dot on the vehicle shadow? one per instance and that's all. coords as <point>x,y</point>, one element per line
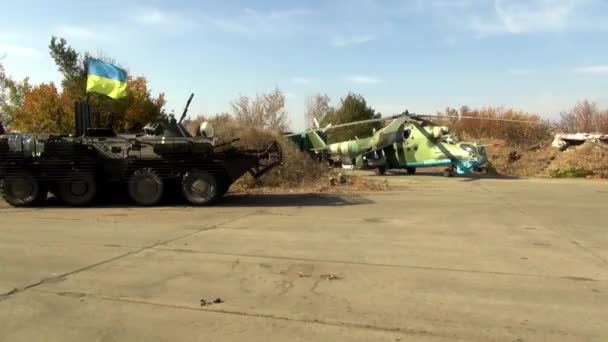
<point>291,200</point>
<point>230,200</point>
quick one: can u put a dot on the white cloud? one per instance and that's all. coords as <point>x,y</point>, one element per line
<point>361,79</point>
<point>155,17</point>
<point>593,69</point>
<point>165,20</point>
<point>8,36</point>
<point>78,32</point>
<point>519,71</point>
<point>518,17</point>
<point>253,22</point>
<point>343,41</point>
<point>532,16</point>
<point>152,17</point>
<point>17,50</point>
<point>301,80</point>
<point>450,41</point>
<point>289,95</point>
<point>451,3</point>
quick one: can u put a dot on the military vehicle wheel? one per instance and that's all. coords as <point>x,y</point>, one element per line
<point>146,187</point>
<point>200,187</point>
<point>22,189</point>
<point>380,170</point>
<point>77,189</point>
<point>411,170</point>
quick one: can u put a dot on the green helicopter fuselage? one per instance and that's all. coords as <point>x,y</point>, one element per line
<point>420,149</point>
<point>402,144</point>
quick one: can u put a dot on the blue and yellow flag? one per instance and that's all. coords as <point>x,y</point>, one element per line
<point>107,79</point>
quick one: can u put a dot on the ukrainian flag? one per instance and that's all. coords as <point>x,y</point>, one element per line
<point>107,79</point>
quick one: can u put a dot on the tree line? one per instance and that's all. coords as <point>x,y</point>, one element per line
<point>45,107</point>
<point>522,128</point>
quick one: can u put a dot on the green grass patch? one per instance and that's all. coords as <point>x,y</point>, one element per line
<point>577,173</point>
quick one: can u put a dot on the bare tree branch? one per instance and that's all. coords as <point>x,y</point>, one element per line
<point>316,108</point>
<point>264,112</point>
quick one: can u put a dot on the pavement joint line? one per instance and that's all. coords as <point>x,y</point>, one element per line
<point>266,316</point>
<point>428,268</point>
<point>16,291</point>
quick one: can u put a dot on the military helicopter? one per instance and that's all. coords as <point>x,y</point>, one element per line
<point>407,141</point>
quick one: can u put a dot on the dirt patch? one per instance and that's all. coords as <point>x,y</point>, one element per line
<point>321,185</point>
<point>587,160</point>
<point>299,170</point>
<point>300,173</point>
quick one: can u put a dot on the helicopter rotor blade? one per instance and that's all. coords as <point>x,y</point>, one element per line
<point>481,118</point>
<point>317,126</point>
<point>326,128</point>
<point>361,122</point>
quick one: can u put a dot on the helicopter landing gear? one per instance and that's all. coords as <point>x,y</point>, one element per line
<point>449,172</point>
<point>411,170</point>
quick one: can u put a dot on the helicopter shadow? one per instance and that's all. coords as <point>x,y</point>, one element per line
<point>439,174</point>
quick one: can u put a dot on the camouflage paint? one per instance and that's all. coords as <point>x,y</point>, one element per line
<point>405,143</point>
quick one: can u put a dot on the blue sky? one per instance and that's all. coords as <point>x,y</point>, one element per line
<point>537,55</point>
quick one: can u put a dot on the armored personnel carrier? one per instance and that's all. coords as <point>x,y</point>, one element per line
<point>162,159</point>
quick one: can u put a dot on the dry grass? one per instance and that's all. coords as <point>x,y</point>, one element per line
<point>587,160</point>
<point>521,162</point>
<point>299,172</point>
<point>526,146</point>
<point>484,124</point>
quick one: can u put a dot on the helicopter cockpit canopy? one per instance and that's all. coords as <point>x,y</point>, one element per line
<point>438,131</point>
<point>449,139</point>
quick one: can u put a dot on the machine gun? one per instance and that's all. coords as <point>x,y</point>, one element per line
<point>186,109</point>
<point>179,123</point>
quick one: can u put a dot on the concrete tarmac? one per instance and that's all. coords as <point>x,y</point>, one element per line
<point>433,259</point>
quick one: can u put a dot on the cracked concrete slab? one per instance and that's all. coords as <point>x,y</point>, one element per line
<point>434,259</point>
<point>470,305</point>
<point>60,318</point>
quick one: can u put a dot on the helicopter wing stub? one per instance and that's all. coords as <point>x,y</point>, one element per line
<point>385,138</point>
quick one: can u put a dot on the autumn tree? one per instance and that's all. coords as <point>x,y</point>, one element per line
<point>44,107</point>
<point>12,98</point>
<point>316,108</point>
<point>266,111</point>
<point>352,108</point>
<point>3,97</point>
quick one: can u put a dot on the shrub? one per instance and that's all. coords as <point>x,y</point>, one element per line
<point>298,169</point>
